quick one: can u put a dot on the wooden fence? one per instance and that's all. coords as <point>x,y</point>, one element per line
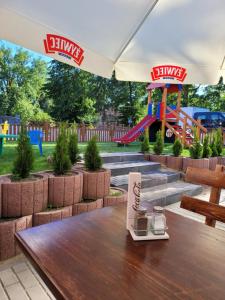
<point>84,134</point>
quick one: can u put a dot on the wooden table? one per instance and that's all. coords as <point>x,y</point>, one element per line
<point>92,256</point>
<point>4,136</point>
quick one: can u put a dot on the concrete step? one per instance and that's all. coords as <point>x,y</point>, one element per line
<point>123,168</point>
<point>121,157</point>
<point>169,193</point>
<point>148,179</point>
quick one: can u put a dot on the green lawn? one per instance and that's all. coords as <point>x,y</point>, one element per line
<point>9,152</point>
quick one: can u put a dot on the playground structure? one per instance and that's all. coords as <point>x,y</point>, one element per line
<point>171,120</point>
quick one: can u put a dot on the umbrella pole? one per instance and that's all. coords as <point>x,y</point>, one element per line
<point>164,96</point>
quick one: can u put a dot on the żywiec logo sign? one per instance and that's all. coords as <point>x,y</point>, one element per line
<point>56,43</point>
<point>168,72</point>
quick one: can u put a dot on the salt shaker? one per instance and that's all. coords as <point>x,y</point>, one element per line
<point>141,222</point>
<point>158,221</point>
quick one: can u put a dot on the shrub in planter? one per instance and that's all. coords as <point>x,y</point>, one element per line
<point>61,159</point>
<point>25,193</point>
<point>196,148</point>
<point>219,141</point>
<point>8,227</point>
<point>145,144</point>
<point>206,152</point>
<point>73,146</point>
<point>159,144</point>
<point>116,196</point>
<point>24,159</point>
<point>65,188</point>
<point>96,180</point>
<point>213,147</point>
<point>175,162</point>
<point>177,148</point>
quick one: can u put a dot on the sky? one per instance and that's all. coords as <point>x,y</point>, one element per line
<point>15,47</point>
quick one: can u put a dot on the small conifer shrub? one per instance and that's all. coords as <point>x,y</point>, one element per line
<point>92,159</point>
<point>61,159</point>
<point>177,148</point>
<point>73,145</point>
<point>213,146</point>
<point>206,152</point>
<point>24,159</point>
<point>145,144</point>
<point>219,141</point>
<point>159,144</point>
<point>196,148</point>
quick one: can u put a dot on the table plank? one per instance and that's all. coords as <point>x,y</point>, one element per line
<point>92,256</point>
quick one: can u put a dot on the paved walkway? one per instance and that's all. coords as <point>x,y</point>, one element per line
<point>19,281</point>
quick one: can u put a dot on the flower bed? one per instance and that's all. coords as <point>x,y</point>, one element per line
<point>8,247</point>
<point>52,215</point>
<point>115,197</point>
<point>85,206</point>
<point>65,190</point>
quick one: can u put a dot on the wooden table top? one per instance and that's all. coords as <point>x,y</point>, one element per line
<point>92,256</point>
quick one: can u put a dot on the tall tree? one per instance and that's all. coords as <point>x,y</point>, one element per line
<point>21,80</point>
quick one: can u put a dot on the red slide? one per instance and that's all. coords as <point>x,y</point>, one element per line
<point>136,131</point>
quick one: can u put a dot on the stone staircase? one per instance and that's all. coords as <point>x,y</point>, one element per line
<point>160,186</point>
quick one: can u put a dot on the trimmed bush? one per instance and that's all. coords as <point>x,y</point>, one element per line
<point>177,148</point>
<point>196,148</point>
<point>73,146</point>
<point>159,144</point>
<point>145,144</point>
<point>206,152</point>
<point>92,159</point>
<point>61,160</point>
<point>219,141</point>
<point>213,146</point>
<point>24,160</point>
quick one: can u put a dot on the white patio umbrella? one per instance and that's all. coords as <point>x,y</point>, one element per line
<point>177,41</point>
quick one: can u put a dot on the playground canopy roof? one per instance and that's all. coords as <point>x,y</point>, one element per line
<point>179,41</point>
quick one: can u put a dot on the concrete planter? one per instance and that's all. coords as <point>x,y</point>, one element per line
<point>162,159</point>
<point>221,160</point>
<point>87,206</point>
<point>114,200</point>
<point>174,162</point>
<point>201,163</point>
<point>213,161</point>
<point>24,198</point>
<point>8,246</point>
<point>65,190</point>
<point>96,184</point>
<point>52,215</point>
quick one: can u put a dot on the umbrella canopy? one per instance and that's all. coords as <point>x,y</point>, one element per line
<point>179,41</point>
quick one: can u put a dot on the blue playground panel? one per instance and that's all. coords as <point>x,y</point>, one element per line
<point>11,120</point>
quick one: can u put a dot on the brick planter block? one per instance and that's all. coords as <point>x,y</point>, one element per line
<point>96,184</point>
<point>174,162</point>
<point>87,206</point>
<point>8,246</point>
<point>65,190</point>
<point>213,161</point>
<point>52,215</point>
<point>24,198</point>
<point>114,200</point>
<point>202,163</point>
<point>158,158</point>
<point>221,160</point>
